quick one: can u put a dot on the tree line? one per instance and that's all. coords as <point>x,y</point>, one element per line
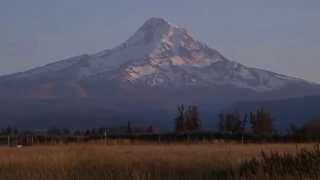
<point>231,124</point>
<point>188,119</point>
<point>56,131</point>
<point>9,131</point>
<point>261,122</point>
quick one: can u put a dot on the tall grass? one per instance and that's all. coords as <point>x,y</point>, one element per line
<point>304,164</point>
<point>146,162</point>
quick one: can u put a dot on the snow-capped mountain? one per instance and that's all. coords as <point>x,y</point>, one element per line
<point>146,77</point>
<point>161,54</point>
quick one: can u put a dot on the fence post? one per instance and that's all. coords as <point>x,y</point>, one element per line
<point>8,140</point>
<point>105,137</point>
<point>242,139</point>
<point>31,140</point>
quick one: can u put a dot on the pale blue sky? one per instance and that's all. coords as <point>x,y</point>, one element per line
<point>277,35</point>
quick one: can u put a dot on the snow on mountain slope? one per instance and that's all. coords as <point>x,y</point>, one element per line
<point>50,68</point>
<point>164,55</point>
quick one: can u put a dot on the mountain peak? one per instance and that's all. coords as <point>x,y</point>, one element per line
<point>156,30</point>
<point>162,54</point>
<point>158,21</point>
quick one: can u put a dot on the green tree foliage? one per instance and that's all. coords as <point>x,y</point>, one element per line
<point>94,131</point>
<point>253,121</point>
<point>294,130</point>
<point>195,119</point>
<point>3,131</point>
<point>101,130</point>
<point>53,131</point>
<point>180,121</point>
<point>9,130</point>
<point>15,131</point>
<point>65,131</point>
<point>77,133</point>
<point>129,128</point>
<point>262,122</point>
<point>27,132</point>
<point>228,123</point>
<point>307,131</point>
<point>244,122</point>
<point>236,121</point>
<point>188,120</point>
<point>150,129</point>
<point>221,123</point>
<point>192,119</point>
<point>231,122</point>
<point>87,132</point>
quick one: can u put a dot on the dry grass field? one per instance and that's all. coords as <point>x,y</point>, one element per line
<point>143,162</point>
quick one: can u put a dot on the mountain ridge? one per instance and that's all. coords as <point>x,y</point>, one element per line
<point>164,55</point>
<point>154,70</point>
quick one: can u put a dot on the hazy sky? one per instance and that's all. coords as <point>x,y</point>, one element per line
<point>277,35</point>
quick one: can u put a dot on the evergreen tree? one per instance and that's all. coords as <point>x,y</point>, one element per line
<point>15,131</point>
<point>93,131</point>
<point>129,128</point>
<point>188,119</point>
<point>228,122</point>
<point>9,130</point>
<point>77,133</point>
<point>195,119</point>
<point>231,122</point>
<point>65,131</point>
<point>221,123</point>
<point>53,131</point>
<point>244,122</point>
<point>253,122</point>
<point>192,119</point>
<point>311,128</point>
<point>263,122</point>
<point>236,121</point>
<point>101,130</point>
<point>294,130</point>
<point>27,132</point>
<point>180,121</point>
<point>87,132</point>
<point>150,129</point>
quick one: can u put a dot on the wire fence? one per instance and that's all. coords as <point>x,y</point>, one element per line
<point>192,137</point>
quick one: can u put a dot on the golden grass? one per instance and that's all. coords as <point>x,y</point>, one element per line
<point>98,161</point>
